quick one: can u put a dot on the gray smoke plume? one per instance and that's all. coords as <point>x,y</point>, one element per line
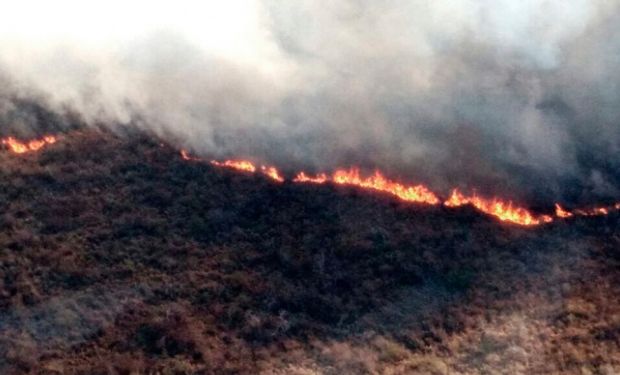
<point>514,98</point>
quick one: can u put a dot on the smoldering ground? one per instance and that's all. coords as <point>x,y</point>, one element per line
<point>512,99</point>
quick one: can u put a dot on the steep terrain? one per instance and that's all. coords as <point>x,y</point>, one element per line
<point>118,256</point>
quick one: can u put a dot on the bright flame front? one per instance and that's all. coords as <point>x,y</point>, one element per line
<point>320,178</point>
<point>560,212</point>
<point>411,193</point>
<point>19,147</point>
<point>240,165</point>
<point>503,210</point>
<point>272,173</point>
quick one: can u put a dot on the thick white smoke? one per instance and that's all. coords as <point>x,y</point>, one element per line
<point>482,93</point>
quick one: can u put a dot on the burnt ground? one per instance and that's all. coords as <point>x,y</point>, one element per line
<point>116,256</point>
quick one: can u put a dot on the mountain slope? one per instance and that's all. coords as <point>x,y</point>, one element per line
<point>120,256</point>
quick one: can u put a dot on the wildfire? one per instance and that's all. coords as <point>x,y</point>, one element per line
<point>417,193</point>
<point>560,212</point>
<point>240,165</point>
<point>596,211</point>
<point>18,147</point>
<point>503,210</point>
<point>272,173</point>
<point>320,178</point>
<point>186,156</point>
<point>248,166</point>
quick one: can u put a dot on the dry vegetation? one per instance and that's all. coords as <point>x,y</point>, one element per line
<point>116,256</point>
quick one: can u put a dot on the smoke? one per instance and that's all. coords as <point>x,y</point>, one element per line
<point>518,98</point>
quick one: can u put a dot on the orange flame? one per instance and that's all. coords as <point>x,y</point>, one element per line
<point>320,178</point>
<point>246,166</point>
<point>185,155</point>
<point>560,212</point>
<point>456,199</point>
<point>595,211</point>
<point>503,210</point>
<point>417,193</point>
<point>18,147</point>
<point>272,173</point>
<point>240,165</point>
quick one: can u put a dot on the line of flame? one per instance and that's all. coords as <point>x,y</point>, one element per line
<point>503,210</point>
<point>416,193</point>
<point>320,178</point>
<point>413,193</point>
<point>560,212</point>
<point>19,147</point>
<point>272,173</point>
<point>240,165</point>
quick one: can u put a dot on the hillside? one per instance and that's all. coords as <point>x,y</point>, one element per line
<point>118,256</point>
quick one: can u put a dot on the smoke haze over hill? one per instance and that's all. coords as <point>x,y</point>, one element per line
<point>519,98</point>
